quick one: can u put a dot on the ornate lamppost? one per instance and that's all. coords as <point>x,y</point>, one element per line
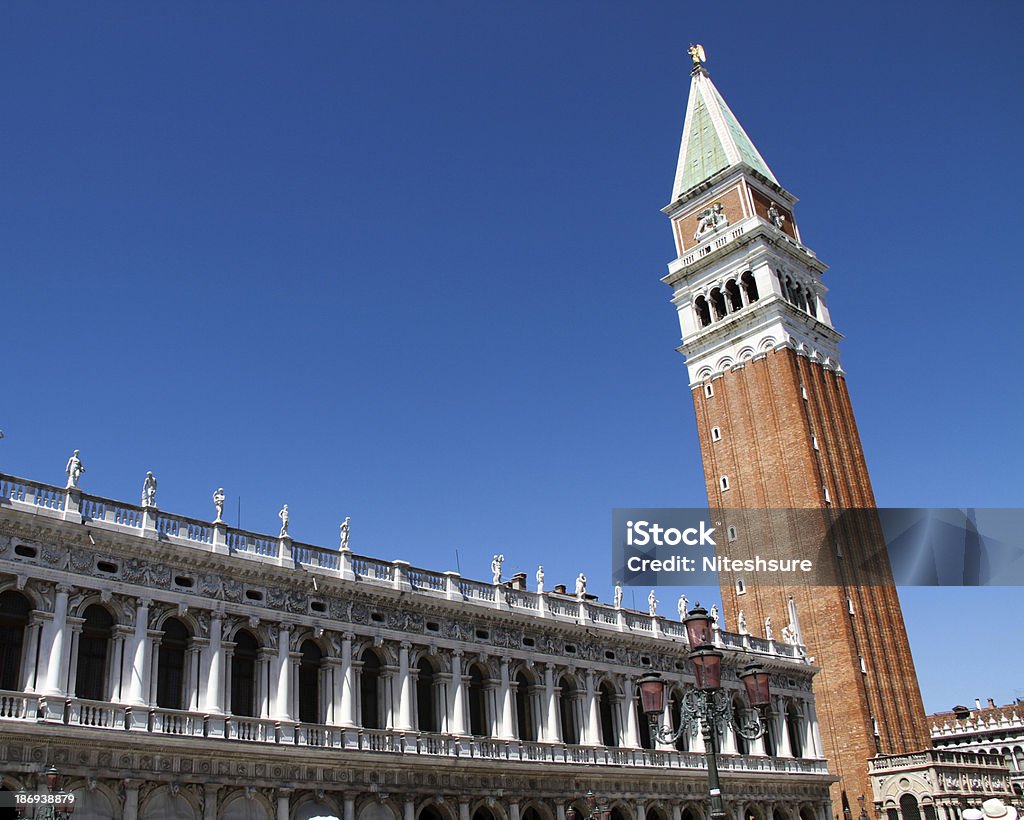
<point>708,707</point>
<point>54,804</point>
<point>594,812</point>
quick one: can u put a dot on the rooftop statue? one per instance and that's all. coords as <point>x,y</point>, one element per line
<point>346,533</point>
<point>581,586</point>
<point>74,469</point>
<point>149,490</point>
<point>496,563</point>
<point>218,504</point>
<point>283,515</point>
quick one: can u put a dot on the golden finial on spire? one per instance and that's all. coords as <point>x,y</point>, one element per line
<point>696,53</point>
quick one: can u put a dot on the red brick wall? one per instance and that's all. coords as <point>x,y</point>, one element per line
<point>766,451</point>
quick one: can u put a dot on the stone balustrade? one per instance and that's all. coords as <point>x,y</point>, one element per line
<point>151,522</point>
<point>78,712</point>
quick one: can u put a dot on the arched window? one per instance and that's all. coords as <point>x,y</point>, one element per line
<point>170,680</point>
<point>718,303</point>
<point>531,814</point>
<point>742,744</point>
<point>14,609</point>
<point>675,699</point>
<point>430,813</point>
<point>478,724</point>
<point>243,674</point>
<point>732,292</point>
<point>609,735</point>
<point>908,807</point>
<point>483,813</point>
<point>309,683</point>
<point>703,311</point>
<point>370,691</point>
<point>567,710</point>
<point>618,814</point>
<point>426,705</point>
<point>525,718</point>
<point>750,286</point>
<point>794,725</point>
<point>93,649</point>
<point>644,725</point>
<point>1018,756</point>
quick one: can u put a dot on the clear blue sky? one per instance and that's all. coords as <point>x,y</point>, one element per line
<point>401,261</point>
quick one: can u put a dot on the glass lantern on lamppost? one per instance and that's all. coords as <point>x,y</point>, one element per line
<point>594,812</point>
<point>708,708</point>
<point>54,804</point>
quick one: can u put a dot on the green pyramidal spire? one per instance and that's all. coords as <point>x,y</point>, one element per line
<point>713,138</point>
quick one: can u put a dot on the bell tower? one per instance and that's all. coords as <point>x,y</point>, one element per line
<point>777,432</point>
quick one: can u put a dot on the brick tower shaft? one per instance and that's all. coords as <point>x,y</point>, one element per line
<point>777,432</point>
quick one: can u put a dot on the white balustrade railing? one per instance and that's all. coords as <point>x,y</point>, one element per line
<point>32,493</point>
<point>476,590</point>
<point>156,721</point>
<point>94,713</point>
<point>364,568</point>
<point>426,579</point>
<point>18,706</point>
<point>254,730</point>
<point>373,568</point>
<point>242,541</point>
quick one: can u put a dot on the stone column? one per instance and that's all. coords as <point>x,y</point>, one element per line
<point>282,674</point>
<point>409,809</point>
<point>120,641</point>
<point>641,810</point>
<point>506,723</point>
<point>632,738</point>
<point>457,708</point>
<point>210,801</point>
<point>404,721</point>
<point>552,725</point>
<point>784,749</point>
<point>265,660</point>
<point>463,809</point>
<point>137,670</point>
<point>593,722</point>
<point>282,804</point>
<point>29,673</point>
<point>513,810</point>
<point>131,800</point>
<point>345,692</point>
<point>677,812</point>
<point>812,731</point>
<point>349,808</point>
<point>53,644</point>
<point>213,703</point>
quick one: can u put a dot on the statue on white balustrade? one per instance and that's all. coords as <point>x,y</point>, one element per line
<point>218,504</point>
<point>149,490</point>
<point>652,603</point>
<point>283,515</point>
<point>74,470</point>
<point>581,586</point>
<point>714,616</point>
<point>775,216</point>
<point>496,563</point>
<point>681,606</point>
<point>741,623</point>
<point>789,635</point>
<point>617,597</point>
<point>768,633</point>
<point>346,532</point>
<point>540,579</point>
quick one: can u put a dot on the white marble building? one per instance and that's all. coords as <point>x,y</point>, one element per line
<point>985,729</point>
<point>177,668</point>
